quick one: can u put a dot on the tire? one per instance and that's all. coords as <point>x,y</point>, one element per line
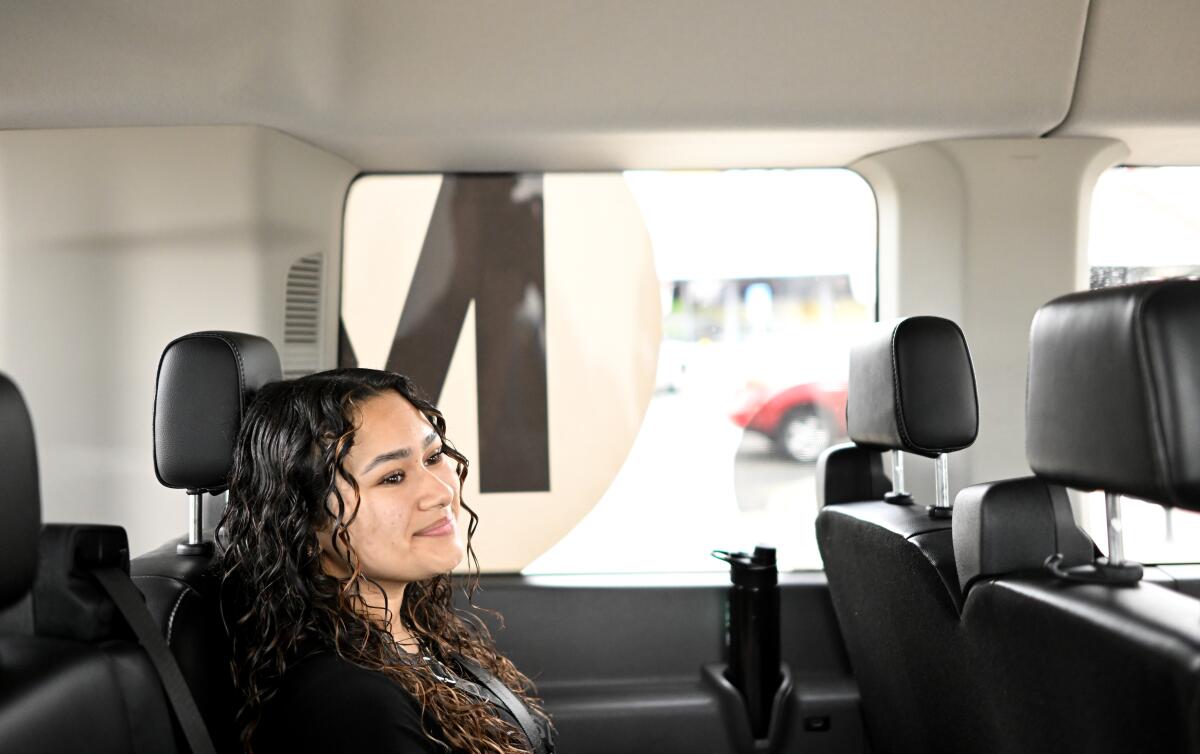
<point>803,433</point>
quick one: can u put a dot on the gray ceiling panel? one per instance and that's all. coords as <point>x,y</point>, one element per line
<point>1140,79</point>
<point>417,85</point>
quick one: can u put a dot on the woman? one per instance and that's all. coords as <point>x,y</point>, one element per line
<point>344,522</point>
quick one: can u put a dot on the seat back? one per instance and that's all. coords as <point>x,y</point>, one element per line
<point>890,566</point>
<point>70,678</point>
<point>1061,665</point>
<point>1080,658</point>
<point>22,509</point>
<point>205,383</point>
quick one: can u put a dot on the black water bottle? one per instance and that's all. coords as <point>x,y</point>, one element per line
<point>753,632</point>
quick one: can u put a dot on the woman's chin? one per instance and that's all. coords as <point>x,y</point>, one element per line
<point>456,562</point>
<point>447,561</point>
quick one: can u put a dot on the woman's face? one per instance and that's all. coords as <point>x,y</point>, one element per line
<point>408,522</point>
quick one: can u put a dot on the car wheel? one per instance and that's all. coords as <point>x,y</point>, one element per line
<point>802,435</point>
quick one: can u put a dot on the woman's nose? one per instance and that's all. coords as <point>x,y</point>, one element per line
<point>435,492</point>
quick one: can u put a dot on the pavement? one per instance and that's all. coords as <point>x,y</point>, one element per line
<point>693,482</point>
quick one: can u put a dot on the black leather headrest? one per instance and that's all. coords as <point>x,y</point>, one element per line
<point>912,388</point>
<point>205,382</point>
<point>1114,391</point>
<point>20,506</point>
<point>1012,526</point>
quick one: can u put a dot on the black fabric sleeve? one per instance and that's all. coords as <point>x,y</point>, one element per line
<point>329,705</point>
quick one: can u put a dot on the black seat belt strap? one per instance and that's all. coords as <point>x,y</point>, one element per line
<point>515,706</point>
<point>129,601</point>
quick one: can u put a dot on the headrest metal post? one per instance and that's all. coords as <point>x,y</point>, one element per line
<point>1114,569</point>
<point>195,544</point>
<point>942,505</point>
<point>941,467</point>
<point>1116,542</point>
<point>196,522</point>
<point>898,496</point>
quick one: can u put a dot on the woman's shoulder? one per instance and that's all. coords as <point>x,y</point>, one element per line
<point>327,702</point>
<point>320,670</point>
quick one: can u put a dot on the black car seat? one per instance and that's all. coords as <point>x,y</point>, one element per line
<point>71,677</point>
<point>847,473</point>
<point>205,383</point>
<point>890,562</point>
<point>1072,655</point>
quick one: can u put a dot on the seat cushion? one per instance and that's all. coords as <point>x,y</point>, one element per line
<point>64,696</point>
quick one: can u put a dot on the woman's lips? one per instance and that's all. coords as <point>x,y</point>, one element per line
<point>445,526</point>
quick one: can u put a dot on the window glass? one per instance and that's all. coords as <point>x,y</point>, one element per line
<point>765,277</point>
<point>1145,225</point>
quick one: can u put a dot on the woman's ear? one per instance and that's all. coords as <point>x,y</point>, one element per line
<point>333,550</point>
<point>335,562</point>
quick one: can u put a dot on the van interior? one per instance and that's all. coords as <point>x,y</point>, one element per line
<point>889,306</point>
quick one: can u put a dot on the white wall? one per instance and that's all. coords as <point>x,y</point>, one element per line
<point>983,231</point>
<point>115,241</point>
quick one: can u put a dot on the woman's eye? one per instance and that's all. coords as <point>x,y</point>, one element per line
<point>394,478</point>
<point>434,459</point>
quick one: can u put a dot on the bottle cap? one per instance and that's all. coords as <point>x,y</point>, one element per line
<point>752,571</point>
<point>764,555</point>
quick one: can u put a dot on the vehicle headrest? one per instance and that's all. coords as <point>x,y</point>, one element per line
<point>1014,525</point>
<point>206,381</point>
<point>20,508</point>
<point>1114,391</point>
<point>847,473</point>
<point>68,602</point>
<point>912,388</point>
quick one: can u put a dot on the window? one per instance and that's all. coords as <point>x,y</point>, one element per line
<point>1145,225</point>
<point>696,328</point>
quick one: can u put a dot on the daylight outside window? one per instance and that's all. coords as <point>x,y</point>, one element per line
<point>766,278</point>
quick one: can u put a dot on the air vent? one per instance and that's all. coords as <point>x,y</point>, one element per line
<point>302,317</point>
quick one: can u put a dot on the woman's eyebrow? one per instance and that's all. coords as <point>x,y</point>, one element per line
<point>398,453</point>
<point>391,455</point>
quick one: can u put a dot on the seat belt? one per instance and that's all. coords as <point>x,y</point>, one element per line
<point>130,603</point>
<point>517,708</point>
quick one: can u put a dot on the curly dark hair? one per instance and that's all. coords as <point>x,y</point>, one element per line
<point>280,604</point>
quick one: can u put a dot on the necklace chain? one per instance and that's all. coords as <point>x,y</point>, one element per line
<point>424,657</point>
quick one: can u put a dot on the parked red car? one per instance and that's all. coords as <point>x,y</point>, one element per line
<point>801,420</point>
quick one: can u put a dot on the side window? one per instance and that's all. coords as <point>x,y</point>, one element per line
<point>691,330</point>
<point>1145,225</point>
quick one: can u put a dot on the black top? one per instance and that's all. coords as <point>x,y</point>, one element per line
<point>328,704</point>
